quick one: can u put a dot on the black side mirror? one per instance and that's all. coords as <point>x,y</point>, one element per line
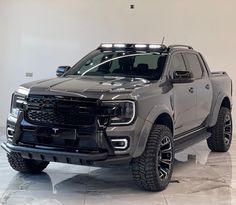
<point>182,77</point>
<point>61,70</point>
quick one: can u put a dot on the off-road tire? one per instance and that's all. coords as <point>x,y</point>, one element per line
<point>218,142</point>
<point>20,164</point>
<point>146,168</point>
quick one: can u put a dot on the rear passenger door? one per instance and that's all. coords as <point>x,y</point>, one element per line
<point>203,86</point>
<point>183,97</point>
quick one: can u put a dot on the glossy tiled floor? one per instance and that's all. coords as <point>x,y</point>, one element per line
<point>200,177</point>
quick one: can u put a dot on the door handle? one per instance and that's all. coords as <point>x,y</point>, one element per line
<point>191,90</point>
<point>207,86</point>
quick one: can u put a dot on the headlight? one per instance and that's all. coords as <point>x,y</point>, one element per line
<point>125,112</point>
<point>14,109</point>
<point>18,101</point>
<point>15,112</point>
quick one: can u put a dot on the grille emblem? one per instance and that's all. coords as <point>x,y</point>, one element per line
<point>55,130</point>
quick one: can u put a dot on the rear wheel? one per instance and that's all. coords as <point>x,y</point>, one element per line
<point>153,169</point>
<point>221,137</point>
<point>20,164</point>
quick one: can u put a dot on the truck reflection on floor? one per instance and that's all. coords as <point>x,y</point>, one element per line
<point>190,176</point>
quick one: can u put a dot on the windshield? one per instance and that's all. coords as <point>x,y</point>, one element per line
<point>120,64</point>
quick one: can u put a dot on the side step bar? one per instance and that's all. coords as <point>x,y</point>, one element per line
<point>184,142</point>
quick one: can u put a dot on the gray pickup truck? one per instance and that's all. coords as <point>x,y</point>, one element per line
<point>135,104</point>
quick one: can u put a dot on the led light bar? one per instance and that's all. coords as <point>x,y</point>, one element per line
<point>113,46</point>
<point>140,46</point>
<point>154,46</point>
<point>119,45</point>
<point>107,45</point>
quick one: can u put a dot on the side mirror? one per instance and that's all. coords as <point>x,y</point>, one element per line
<point>182,77</point>
<point>61,70</point>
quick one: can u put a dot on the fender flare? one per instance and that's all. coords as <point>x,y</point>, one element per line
<point>144,134</point>
<point>216,108</point>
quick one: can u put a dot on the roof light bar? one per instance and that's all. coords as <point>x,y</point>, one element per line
<point>140,46</point>
<point>107,45</point>
<point>119,45</point>
<point>123,46</point>
<point>154,46</point>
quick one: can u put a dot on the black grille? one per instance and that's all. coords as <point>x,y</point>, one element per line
<point>57,110</point>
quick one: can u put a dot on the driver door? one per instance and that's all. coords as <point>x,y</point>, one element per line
<point>183,97</point>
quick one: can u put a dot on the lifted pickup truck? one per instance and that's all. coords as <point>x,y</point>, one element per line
<point>133,104</point>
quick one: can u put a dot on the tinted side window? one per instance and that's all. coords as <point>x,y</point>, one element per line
<point>177,64</point>
<point>194,65</point>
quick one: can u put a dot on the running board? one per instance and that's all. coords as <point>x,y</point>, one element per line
<point>182,143</point>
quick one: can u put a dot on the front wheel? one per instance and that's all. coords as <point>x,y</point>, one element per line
<point>221,137</point>
<point>20,164</point>
<point>153,169</point>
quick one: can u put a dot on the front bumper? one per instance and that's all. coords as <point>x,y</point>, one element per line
<point>56,155</point>
<point>20,127</point>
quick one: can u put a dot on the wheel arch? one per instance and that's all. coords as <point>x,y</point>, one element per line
<point>226,103</point>
<point>163,117</point>
<point>221,101</point>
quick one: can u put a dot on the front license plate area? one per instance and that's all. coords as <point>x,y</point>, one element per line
<point>57,136</point>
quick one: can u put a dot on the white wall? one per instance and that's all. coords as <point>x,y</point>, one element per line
<point>39,35</point>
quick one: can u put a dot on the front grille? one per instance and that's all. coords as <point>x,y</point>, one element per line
<point>57,110</point>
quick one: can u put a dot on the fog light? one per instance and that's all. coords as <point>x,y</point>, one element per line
<point>120,144</point>
<point>10,133</point>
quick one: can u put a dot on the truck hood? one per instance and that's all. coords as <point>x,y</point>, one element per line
<point>85,85</point>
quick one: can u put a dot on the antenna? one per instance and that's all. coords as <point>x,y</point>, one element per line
<point>163,39</point>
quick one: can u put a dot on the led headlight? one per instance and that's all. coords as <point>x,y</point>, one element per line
<point>125,112</point>
<point>15,112</point>
<point>14,109</point>
<point>18,100</point>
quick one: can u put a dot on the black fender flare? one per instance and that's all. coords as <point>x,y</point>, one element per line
<point>216,109</point>
<point>144,134</point>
